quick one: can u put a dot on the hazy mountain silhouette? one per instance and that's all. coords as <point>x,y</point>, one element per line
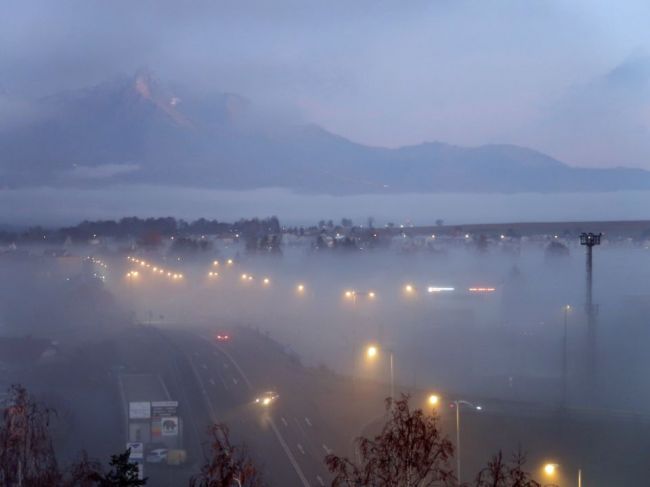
<point>134,129</point>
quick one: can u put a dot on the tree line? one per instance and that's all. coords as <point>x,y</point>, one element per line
<point>143,228</point>
<point>409,451</point>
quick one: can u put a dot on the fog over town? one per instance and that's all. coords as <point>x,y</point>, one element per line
<point>368,244</point>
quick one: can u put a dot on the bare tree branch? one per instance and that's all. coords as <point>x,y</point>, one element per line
<point>27,457</point>
<point>410,451</point>
<point>227,465</point>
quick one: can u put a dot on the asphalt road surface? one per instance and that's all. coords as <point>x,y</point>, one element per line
<point>290,437</point>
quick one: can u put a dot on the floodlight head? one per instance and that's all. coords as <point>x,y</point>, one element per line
<point>590,239</point>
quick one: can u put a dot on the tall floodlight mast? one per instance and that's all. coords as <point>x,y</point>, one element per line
<point>590,240</point>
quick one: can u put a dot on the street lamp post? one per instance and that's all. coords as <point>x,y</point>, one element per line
<point>590,240</point>
<point>458,403</point>
<point>371,352</point>
<point>565,365</point>
<point>392,377</point>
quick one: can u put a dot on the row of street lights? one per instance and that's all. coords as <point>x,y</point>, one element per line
<point>352,294</point>
<point>154,270</point>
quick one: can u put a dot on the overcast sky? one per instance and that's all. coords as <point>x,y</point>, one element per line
<point>570,78</point>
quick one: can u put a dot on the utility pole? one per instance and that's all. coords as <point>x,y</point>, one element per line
<point>590,240</point>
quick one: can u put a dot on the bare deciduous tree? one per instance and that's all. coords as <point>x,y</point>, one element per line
<point>227,465</point>
<point>83,473</point>
<point>500,473</point>
<point>27,457</point>
<point>410,451</point>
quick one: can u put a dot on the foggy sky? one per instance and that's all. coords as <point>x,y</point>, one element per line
<point>568,78</point>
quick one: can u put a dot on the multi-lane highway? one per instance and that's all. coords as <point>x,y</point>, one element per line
<point>290,437</point>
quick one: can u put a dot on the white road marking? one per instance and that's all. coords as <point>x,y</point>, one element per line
<point>284,421</point>
<point>301,449</point>
<point>232,360</point>
<point>206,398</point>
<point>320,480</point>
<point>292,459</point>
<point>299,426</point>
<point>308,421</point>
<point>235,381</point>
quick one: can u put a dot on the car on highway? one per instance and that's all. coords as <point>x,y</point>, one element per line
<point>266,398</point>
<point>158,455</point>
<point>222,337</point>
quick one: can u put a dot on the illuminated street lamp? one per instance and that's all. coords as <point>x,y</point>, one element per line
<point>409,289</point>
<point>354,295</point>
<point>351,295</point>
<point>300,288</point>
<point>550,470</point>
<point>433,400</point>
<point>371,352</point>
<point>266,281</point>
<point>458,403</point>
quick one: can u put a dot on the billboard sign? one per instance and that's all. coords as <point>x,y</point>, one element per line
<point>169,426</point>
<point>156,428</point>
<point>140,410</point>
<point>137,450</point>
<point>161,409</point>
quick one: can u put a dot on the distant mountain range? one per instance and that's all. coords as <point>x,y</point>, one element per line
<point>134,130</point>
